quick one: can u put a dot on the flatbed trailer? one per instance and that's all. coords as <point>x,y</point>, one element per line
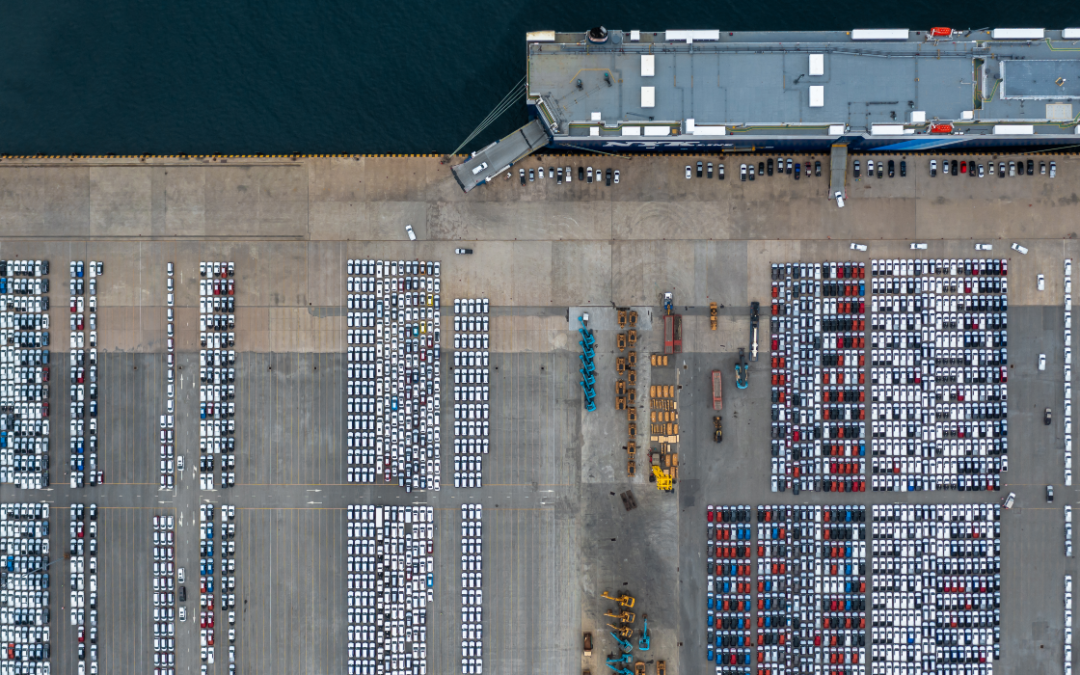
<point>717,393</point>
<point>673,334</point>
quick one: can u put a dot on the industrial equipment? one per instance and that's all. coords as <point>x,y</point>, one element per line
<point>717,391</point>
<point>643,643</point>
<point>623,644</point>
<point>742,371</point>
<point>623,617</point>
<point>718,429</point>
<point>712,316</point>
<point>623,600</point>
<point>754,323</point>
<point>663,481</point>
<point>624,631</point>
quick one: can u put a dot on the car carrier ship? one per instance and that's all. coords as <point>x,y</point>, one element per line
<point>715,91</point>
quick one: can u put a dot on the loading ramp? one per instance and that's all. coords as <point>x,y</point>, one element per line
<point>837,169</point>
<point>501,155</point>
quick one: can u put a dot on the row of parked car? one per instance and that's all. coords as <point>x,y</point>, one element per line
<point>472,582</point>
<point>880,167</point>
<point>169,462</point>
<point>390,585</point>
<point>24,373</point>
<point>937,586</point>
<point>945,368</point>
<point>83,584</point>
<point>217,372</point>
<point>817,339</point>
<point>1068,624</point>
<point>969,167</point>
<point>767,167</point>
<point>584,174</point>
<point>471,389</point>
<point>809,593</point>
<point>83,363</point>
<point>1067,417</point>
<point>728,586</point>
<point>393,368</point>
<point>24,588</point>
<point>165,592</point>
<point>226,586</point>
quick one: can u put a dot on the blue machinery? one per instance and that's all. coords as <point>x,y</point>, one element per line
<point>588,366</point>
<point>625,645</point>
<point>742,371</point>
<point>643,643</point>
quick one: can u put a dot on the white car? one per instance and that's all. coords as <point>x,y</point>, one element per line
<point>1018,247</point>
<point>857,247</point>
<point>839,197</point>
<point>1040,282</point>
<point>483,165</point>
<point>918,247</point>
<point>1042,361</point>
<point>687,172</point>
<point>409,231</point>
<point>1068,514</point>
<point>984,247</point>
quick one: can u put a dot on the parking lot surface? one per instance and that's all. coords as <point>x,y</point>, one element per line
<point>556,533</point>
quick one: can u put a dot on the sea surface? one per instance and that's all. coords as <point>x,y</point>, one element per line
<point>334,76</point>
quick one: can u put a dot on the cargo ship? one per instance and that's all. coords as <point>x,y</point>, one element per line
<point>865,89</point>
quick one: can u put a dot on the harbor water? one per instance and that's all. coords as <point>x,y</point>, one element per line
<point>328,76</point>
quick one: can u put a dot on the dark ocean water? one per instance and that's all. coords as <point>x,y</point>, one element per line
<point>330,76</point>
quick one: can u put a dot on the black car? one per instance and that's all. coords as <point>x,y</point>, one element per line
<point>892,169</point>
<point>971,169</point>
<point>699,169</point>
<point>768,166</point>
<point>1031,167</point>
<point>1046,417</point>
<point>903,168</point>
<point>183,594</point>
<point>1049,494</point>
<point>761,168</point>
<point>581,173</point>
<point>955,168</point>
<point>817,168</point>
<point>708,170</point>
<point>607,176</point>
<point>857,168</point>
